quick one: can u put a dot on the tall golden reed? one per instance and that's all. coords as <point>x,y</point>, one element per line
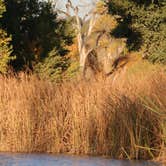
<point>124,119</point>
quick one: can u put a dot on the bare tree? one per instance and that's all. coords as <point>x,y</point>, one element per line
<point>82,37</point>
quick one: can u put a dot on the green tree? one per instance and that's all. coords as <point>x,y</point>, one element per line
<point>34,28</point>
<point>144,24</point>
<point>55,65</point>
<point>52,67</point>
<point>5,49</point>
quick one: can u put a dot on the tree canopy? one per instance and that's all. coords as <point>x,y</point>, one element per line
<point>34,37</point>
<point>144,24</point>
<point>35,30</point>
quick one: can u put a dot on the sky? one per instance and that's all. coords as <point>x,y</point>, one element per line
<point>88,4</point>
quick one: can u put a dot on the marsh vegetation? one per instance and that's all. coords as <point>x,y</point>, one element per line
<point>91,86</point>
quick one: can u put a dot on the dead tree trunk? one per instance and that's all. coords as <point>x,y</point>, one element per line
<point>82,37</point>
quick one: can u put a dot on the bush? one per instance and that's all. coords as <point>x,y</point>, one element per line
<point>52,67</point>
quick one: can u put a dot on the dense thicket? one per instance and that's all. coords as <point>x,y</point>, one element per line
<point>144,24</point>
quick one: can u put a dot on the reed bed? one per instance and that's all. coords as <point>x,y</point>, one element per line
<point>122,118</point>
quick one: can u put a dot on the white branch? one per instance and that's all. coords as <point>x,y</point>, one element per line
<point>92,21</point>
<point>63,12</point>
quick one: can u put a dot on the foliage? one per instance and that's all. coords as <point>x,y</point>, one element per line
<point>105,23</point>
<point>2,8</point>
<point>101,7</point>
<point>108,48</point>
<point>5,49</point>
<point>34,27</point>
<point>55,65</point>
<point>52,67</point>
<point>143,23</point>
<point>73,56</point>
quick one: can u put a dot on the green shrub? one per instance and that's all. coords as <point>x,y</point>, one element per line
<point>52,67</point>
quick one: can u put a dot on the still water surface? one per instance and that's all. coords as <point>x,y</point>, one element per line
<point>62,160</point>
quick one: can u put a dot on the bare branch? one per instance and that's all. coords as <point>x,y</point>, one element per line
<point>76,10</point>
<point>69,2</point>
<point>63,12</point>
<point>88,14</point>
<point>99,37</point>
<point>91,24</point>
<point>82,37</point>
<point>84,18</point>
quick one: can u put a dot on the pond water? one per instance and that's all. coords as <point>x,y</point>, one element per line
<point>62,160</point>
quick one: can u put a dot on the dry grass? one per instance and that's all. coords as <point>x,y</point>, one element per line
<point>124,119</point>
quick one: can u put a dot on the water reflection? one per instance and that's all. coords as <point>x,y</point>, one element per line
<point>61,160</point>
